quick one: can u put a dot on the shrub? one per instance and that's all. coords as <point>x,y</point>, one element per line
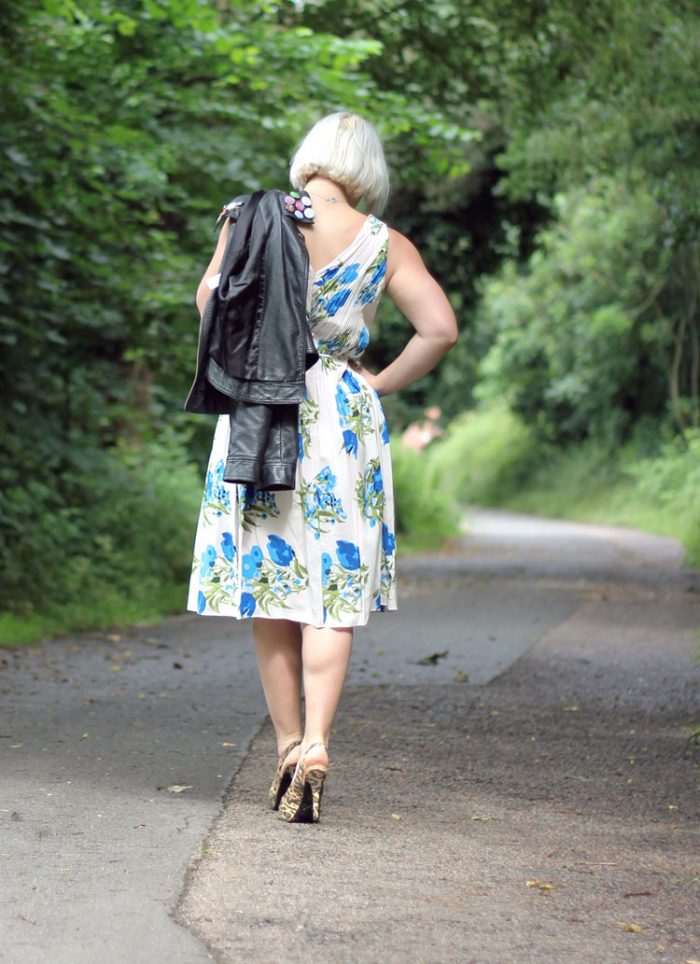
<point>114,528</point>
<point>671,481</point>
<point>425,514</point>
<point>490,458</point>
<point>484,457</point>
<point>582,337</point>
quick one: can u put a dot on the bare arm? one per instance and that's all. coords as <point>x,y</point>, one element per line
<point>204,291</point>
<point>420,298</point>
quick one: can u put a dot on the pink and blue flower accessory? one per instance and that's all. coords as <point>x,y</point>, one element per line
<point>299,205</point>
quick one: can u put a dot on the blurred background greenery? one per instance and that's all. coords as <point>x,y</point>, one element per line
<point>545,161</point>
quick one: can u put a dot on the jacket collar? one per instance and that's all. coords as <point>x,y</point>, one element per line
<point>298,205</point>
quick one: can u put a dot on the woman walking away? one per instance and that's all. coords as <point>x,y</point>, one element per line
<point>296,529</point>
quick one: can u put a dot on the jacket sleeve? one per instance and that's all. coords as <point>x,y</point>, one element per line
<point>232,209</point>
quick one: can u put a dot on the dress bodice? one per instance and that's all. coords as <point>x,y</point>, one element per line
<point>344,294</point>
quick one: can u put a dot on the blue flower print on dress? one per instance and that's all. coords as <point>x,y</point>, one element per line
<point>350,273</point>
<point>375,274</point>
<point>217,493</point>
<point>341,402</point>
<point>256,506</point>
<point>332,290</point>
<point>309,412</point>
<point>351,383</point>
<point>251,562</point>
<point>348,554</point>
<point>370,492</point>
<point>362,342</point>
<point>247,605</point>
<point>227,546</point>
<point>387,577</point>
<point>350,442</point>
<point>385,432</point>
<point>379,272</point>
<point>334,304</point>
<point>276,578</point>
<point>326,566</point>
<point>354,411</point>
<point>333,345</point>
<point>217,575</point>
<point>207,561</point>
<point>321,506</point>
<point>328,275</point>
<point>345,582</point>
<point>280,551</point>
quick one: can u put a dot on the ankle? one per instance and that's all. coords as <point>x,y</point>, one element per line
<point>286,740</point>
<point>314,750</point>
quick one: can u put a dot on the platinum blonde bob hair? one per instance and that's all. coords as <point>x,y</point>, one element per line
<point>345,148</point>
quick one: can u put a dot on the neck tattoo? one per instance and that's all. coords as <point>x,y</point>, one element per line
<point>331,200</point>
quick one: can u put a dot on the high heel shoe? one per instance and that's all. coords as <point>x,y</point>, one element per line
<point>283,777</point>
<point>302,801</point>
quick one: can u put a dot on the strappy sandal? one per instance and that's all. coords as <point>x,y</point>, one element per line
<point>283,777</point>
<point>302,801</point>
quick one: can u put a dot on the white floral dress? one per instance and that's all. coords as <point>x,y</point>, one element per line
<point>323,554</point>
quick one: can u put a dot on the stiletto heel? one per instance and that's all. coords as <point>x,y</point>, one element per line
<point>302,801</point>
<point>283,777</point>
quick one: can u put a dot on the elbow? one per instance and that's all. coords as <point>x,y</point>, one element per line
<point>449,333</point>
<point>448,330</point>
<point>443,338</point>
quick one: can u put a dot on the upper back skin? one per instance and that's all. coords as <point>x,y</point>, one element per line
<point>335,227</point>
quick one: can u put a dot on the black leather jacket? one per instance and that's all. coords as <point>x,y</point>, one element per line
<point>254,342</point>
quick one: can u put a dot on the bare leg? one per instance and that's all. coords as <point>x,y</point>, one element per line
<point>325,659</point>
<point>278,651</point>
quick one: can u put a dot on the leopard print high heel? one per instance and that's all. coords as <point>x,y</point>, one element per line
<point>302,801</point>
<point>283,777</point>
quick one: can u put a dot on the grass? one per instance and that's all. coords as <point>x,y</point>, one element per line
<point>106,611</point>
<point>584,486</point>
<point>490,458</point>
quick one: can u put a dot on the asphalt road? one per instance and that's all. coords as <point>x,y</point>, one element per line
<point>134,826</point>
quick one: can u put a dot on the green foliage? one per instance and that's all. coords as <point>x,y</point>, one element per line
<point>585,336</point>
<point>118,530</point>
<point>586,482</point>
<point>425,516</point>
<point>484,457</point>
<point>490,458</point>
<point>607,89</point>
<point>671,482</point>
<point>590,483</point>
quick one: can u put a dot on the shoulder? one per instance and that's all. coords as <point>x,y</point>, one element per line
<point>402,252</point>
<point>406,270</point>
<point>270,203</point>
<point>232,208</point>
